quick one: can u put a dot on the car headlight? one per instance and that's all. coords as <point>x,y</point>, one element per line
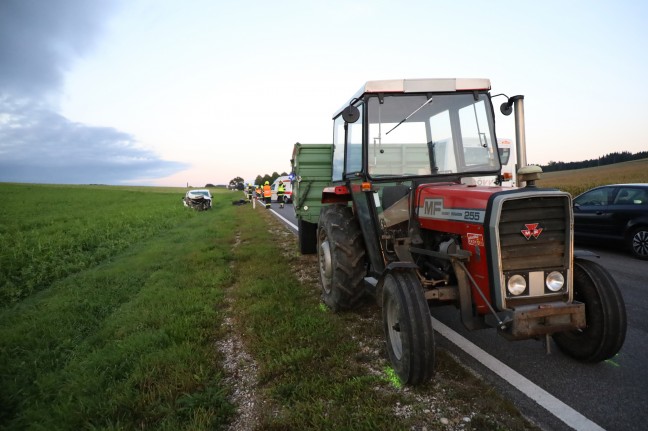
<point>555,281</point>
<point>516,285</point>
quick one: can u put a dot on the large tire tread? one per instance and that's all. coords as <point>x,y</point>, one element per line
<point>339,226</point>
<point>416,364</point>
<point>605,315</point>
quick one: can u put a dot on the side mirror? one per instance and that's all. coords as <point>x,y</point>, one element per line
<point>506,108</point>
<point>350,114</point>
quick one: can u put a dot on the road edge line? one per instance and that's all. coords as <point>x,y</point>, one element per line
<point>552,404</point>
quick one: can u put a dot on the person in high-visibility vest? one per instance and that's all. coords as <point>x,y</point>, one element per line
<point>281,191</point>
<point>258,192</point>
<point>267,194</point>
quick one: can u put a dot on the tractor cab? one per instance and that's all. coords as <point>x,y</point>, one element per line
<point>436,129</point>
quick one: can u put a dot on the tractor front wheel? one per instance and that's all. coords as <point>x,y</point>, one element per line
<point>341,257</point>
<point>605,315</point>
<point>408,328</point>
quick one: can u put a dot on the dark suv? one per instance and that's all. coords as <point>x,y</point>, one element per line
<point>616,212</point>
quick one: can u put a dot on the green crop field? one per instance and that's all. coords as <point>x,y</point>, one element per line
<point>117,302</point>
<point>101,326</point>
<point>49,232</point>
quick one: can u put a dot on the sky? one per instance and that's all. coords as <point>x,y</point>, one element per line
<point>190,92</point>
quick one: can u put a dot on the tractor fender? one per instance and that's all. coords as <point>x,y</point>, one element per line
<point>580,254</point>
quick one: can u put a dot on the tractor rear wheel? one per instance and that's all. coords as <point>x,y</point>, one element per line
<point>408,328</point>
<point>605,314</point>
<point>341,257</point>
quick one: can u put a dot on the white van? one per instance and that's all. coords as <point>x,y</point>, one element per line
<point>287,186</point>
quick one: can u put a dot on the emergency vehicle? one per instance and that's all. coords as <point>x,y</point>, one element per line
<point>288,189</point>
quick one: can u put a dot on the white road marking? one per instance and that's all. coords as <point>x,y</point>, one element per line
<point>559,409</point>
<point>288,222</point>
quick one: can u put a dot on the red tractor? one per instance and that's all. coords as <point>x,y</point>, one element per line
<point>401,222</point>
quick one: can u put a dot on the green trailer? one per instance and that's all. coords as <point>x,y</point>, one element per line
<point>311,166</point>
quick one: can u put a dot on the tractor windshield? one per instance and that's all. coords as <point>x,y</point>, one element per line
<point>421,135</point>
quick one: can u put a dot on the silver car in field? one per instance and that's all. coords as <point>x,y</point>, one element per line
<point>198,199</point>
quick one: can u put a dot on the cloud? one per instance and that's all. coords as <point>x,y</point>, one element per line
<point>39,145</point>
<point>39,42</point>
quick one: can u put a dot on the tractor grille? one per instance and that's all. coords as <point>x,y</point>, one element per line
<point>551,247</point>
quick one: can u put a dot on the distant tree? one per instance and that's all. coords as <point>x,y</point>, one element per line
<point>260,179</point>
<point>209,185</point>
<point>235,181</point>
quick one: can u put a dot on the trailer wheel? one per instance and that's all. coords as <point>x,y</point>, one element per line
<point>341,257</point>
<point>408,328</point>
<point>307,237</point>
<point>605,314</point>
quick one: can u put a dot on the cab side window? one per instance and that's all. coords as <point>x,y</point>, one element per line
<point>347,149</point>
<point>354,146</point>
<point>338,148</point>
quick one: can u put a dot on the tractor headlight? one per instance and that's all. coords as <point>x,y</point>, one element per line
<point>516,285</point>
<point>555,281</point>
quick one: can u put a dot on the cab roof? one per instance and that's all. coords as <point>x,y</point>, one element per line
<point>432,85</point>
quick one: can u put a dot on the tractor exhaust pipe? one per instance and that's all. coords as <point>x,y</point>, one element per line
<point>531,174</point>
<point>520,138</point>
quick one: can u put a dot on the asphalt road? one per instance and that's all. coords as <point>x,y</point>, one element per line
<point>611,394</point>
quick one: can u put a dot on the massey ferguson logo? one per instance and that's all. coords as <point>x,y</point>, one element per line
<point>532,230</point>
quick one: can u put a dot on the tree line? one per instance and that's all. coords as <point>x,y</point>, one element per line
<point>261,179</point>
<point>239,183</point>
<point>608,159</point>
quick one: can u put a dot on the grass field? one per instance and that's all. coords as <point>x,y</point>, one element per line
<point>106,327</point>
<point>115,301</point>
<point>50,232</point>
<point>579,180</point>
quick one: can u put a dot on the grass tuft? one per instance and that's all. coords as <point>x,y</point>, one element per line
<point>393,378</point>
